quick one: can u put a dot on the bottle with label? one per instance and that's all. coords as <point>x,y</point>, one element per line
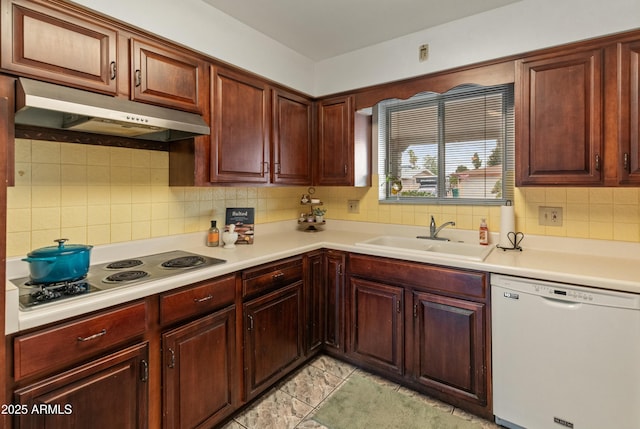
<point>484,232</point>
<point>213,236</point>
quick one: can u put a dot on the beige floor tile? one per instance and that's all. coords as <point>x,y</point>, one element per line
<point>276,410</point>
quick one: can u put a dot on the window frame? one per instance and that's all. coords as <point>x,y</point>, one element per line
<point>385,166</point>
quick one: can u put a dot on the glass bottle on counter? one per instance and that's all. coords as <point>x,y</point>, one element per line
<point>213,236</point>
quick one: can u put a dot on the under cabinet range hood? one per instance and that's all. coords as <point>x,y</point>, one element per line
<point>53,106</point>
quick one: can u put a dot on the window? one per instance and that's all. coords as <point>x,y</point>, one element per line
<point>452,148</point>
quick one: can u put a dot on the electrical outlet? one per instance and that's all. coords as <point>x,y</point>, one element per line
<point>423,52</point>
<point>353,206</point>
<point>550,216</point>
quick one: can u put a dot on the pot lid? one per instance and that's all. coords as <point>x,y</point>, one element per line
<point>60,250</point>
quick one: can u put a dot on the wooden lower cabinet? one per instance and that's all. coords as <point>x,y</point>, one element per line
<point>109,392</point>
<point>314,289</point>
<point>273,337</point>
<point>199,377</point>
<point>448,345</point>
<point>422,325</point>
<point>376,327</point>
<point>335,266</point>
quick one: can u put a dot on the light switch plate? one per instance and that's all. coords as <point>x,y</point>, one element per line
<point>353,206</point>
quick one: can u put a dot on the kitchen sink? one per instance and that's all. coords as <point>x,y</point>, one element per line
<point>449,249</point>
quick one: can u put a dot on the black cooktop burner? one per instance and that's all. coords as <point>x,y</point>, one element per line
<point>45,292</point>
<point>184,262</point>
<point>124,264</point>
<point>125,276</point>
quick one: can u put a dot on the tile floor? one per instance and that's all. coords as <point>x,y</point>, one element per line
<point>291,403</point>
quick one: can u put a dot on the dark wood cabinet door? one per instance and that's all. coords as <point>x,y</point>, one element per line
<point>165,77</point>
<point>292,141</point>
<point>376,324</point>
<point>335,142</point>
<point>335,263</point>
<point>240,124</point>
<point>314,300</point>
<point>274,335</point>
<point>111,392</point>
<point>199,376</point>
<point>629,112</point>
<point>449,346</point>
<point>559,137</point>
<point>52,45</point>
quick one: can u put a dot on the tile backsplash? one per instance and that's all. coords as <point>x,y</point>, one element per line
<point>99,195</point>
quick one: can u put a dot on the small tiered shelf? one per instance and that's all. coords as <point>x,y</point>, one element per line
<point>313,226</point>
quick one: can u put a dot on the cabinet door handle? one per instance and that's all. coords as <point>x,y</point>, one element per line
<point>206,298</point>
<point>172,358</point>
<point>250,317</point>
<point>415,310</point>
<point>625,162</point>
<point>113,70</point>
<point>138,81</point>
<point>277,167</point>
<point>597,166</point>
<point>339,269</point>
<point>398,309</point>
<point>278,276</point>
<point>93,337</point>
<point>345,169</point>
<point>144,370</point>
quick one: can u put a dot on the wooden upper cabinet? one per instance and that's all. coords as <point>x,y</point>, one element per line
<point>335,141</point>
<point>344,144</point>
<point>628,90</point>
<point>292,139</point>
<point>559,107</point>
<point>49,44</point>
<point>167,77</point>
<point>240,128</point>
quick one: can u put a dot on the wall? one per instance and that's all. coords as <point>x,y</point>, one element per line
<point>519,27</point>
<point>98,195</point>
<point>513,29</point>
<point>203,28</point>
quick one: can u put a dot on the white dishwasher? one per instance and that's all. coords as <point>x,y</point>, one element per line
<point>564,356</point>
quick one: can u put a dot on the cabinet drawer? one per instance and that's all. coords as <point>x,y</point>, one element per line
<point>197,299</point>
<point>270,276</point>
<point>55,347</point>
<point>465,283</point>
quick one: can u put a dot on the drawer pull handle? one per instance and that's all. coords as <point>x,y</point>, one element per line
<point>113,70</point>
<point>172,358</point>
<point>138,78</point>
<point>206,298</point>
<point>92,337</point>
<point>626,163</point>
<point>278,276</point>
<point>250,327</point>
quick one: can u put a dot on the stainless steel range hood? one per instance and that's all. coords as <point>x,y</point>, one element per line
<point>53,106</point>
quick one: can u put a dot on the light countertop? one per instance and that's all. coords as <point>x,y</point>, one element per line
<point>594,263</point>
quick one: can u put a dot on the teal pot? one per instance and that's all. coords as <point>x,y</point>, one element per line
<point>64,262</point>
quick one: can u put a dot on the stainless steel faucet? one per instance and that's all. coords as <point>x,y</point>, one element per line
<point>433,230</point>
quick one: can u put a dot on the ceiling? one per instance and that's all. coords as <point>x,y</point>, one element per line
<point>326,28</point>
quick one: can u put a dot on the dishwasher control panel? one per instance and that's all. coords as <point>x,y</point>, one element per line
<point>555,292</point>
<point>565,292</point>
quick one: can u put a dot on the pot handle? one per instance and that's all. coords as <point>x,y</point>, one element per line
<point>43,259</point>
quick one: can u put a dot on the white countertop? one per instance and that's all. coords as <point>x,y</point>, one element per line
<point>594,263</point>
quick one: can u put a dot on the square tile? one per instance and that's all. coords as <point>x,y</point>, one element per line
<point>275,410</point>
<point>311,385</point>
